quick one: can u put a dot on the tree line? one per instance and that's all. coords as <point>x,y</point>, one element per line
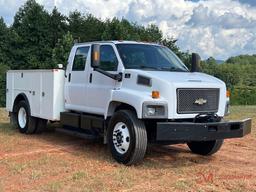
<point>41,39</point>
<point>239,74</point>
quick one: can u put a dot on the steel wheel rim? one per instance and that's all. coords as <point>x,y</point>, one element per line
<point>121,138</point>
<point>22,117</point>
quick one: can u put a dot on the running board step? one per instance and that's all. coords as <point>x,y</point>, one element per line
<point>77,134</point>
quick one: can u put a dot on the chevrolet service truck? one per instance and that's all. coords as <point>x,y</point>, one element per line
<point>129,94</point>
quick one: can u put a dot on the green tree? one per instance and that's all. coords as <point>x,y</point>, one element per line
<point>3,69</point>
<point>242,59</point>
<point>210,66</point>
<point>152,34</point>
<point>7,41</point>
<point>61,52</point>
<point>184,56</point>
<point>31,23</point>
<point>85,28</point>
<point>119,30</point>
<point>57,26</point>
<point>3,41</point>
<point>228,74</point>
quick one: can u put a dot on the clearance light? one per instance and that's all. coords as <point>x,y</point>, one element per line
<point>155,94</point>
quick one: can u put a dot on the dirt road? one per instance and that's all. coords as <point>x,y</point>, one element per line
<point>56,162</point>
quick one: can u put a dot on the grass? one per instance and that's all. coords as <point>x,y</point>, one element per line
<point>54,186</point>
<point>79,175</point>
<point>35,174</point>
<point>183,185</point>
<point>18,168</point>
<point>240,112</point>
<point>85,166</point>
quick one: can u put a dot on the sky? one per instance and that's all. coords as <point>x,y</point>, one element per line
<point>217,28</point>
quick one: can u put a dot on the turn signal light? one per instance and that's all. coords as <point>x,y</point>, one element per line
<point>155,94</point>
<point>96,56</point>
<point>228,93</point>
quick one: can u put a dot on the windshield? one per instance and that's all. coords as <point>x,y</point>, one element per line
<point>149,57</point>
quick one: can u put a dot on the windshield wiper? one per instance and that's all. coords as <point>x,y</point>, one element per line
<point>148,67</point>
<point>162,68</point>
<point>172,69</point>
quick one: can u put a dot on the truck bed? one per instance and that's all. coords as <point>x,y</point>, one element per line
<point>44,90</point>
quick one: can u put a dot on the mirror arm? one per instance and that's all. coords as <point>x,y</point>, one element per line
<point>118,77</point>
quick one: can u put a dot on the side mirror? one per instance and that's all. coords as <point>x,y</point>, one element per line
<point>195,62</point>
<point>95,56</point>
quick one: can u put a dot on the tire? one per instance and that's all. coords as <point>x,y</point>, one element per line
<point>205,147</point>
<point>127,138</point>
<point>26,123</point>
<point>41,125</point>
<point>14,120</point>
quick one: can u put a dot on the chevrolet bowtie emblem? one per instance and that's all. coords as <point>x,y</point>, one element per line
<point>200,101</point>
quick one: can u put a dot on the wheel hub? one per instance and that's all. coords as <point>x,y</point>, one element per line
<point>22,117</point>
<point>121,137</point>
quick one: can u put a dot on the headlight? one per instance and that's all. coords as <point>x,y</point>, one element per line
<point>155,110</point>
<point>151,110</point>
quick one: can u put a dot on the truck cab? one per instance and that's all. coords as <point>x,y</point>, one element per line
<point>143,68</point>
<point>133,93</point>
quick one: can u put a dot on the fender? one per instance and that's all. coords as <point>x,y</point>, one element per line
<point>131,97</point>
<point>20,97</point>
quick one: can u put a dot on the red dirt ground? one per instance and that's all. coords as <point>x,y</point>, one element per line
<point>56,162</point>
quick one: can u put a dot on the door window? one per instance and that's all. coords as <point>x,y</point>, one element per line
<point>108,59</point>
<point>80,59</point>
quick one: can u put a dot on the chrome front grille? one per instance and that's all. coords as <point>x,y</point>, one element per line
<point>197,100</point>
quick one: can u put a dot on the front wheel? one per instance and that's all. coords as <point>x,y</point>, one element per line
<point>127,137</point>
<point>205,147</point>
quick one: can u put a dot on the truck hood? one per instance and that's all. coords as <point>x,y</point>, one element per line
<point>180,77</point>
<point>167,83</point>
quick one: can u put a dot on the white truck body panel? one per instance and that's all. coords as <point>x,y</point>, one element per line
<point>44,90</point>
<point>80,94</point>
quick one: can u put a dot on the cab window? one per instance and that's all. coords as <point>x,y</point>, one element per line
<point>80,59</point>
<point>108,59</point>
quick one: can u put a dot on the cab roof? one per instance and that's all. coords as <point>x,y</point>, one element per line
<point>118,42</point>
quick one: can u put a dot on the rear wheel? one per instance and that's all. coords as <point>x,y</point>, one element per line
<point>127,137</point>
<point>25,122</point>
<point>14,120</point>
<point>205,147</point>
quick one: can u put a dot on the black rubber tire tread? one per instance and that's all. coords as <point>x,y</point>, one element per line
<point>138,150</point>
<point>41,125</point>
<point>25,106</point>
<point>32,124</point>
<point>141,139</point>
<point>14,120</point>
<point>205,148</point>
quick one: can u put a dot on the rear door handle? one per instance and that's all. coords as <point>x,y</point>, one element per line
<point>69,77</point>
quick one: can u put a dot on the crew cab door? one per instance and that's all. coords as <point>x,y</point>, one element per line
<point>100,86</point>
<point>76,79</point>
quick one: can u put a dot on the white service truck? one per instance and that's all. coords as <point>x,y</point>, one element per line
<point>128,93</point>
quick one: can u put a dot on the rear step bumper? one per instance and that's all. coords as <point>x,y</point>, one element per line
<point>187,131</point>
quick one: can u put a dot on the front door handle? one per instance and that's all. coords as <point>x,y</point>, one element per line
<point>90,78</point>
